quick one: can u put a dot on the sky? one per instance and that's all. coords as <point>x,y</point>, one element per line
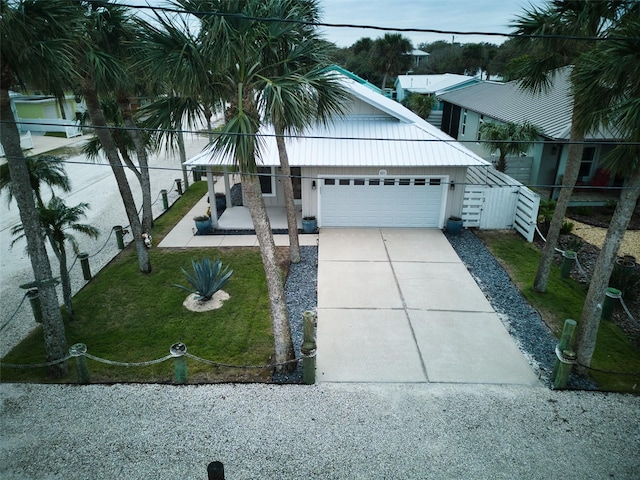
<point>449,15</point>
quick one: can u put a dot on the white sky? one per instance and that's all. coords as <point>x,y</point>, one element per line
<point>449,15</point>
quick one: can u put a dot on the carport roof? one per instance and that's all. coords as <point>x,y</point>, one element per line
<point>395,136</point>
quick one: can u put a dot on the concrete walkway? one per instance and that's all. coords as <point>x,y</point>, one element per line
<point>399,306</point>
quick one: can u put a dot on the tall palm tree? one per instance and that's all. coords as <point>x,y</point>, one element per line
<point>391,55</point>
<point>508,138</point>
<point>57,220</point>
<point>607,90</point>
<point>307,91</point>
<point>558,21</point>
<point>100,72</point>
<point>34,51</point>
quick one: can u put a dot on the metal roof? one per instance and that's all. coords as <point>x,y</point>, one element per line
<point>509,102</point>
<point>393,137</point>
<point>432,83</point>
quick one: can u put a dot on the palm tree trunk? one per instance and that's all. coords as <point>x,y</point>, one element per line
<point>289,201</point>
<point>66,281</point>
<point>574,157</point>
<point>110,149</point>
<point>55,342</point>
<point>592,309</point>
<point>141,152</point>
<point>275,282</point>
<point>183,156</point>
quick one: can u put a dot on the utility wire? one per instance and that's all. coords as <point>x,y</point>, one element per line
<point>361,26</point>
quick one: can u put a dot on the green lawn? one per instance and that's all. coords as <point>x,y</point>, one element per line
<point>564,298</point>
<point>126,316</point>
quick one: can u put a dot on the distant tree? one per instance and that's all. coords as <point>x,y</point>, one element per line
<point>391,55</point>
<point>508,138</point>
<point>419,104</point>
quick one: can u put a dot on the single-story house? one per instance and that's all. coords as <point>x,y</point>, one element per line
<point>431,84</point>
<point>380,165</point>
<point>466,109</point>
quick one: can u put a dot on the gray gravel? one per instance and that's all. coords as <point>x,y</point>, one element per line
<point>330,431</point>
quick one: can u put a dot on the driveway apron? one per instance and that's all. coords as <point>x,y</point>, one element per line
<point>398,305</point>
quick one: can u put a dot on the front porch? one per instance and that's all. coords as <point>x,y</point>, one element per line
<point>235,228</point>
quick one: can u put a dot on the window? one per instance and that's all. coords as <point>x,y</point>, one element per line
<point>345,181</point>
<point>358,181</point>
<point>405,181</point>
<point>464,120</point>
<point>374,181</point>
<point>420,182</point>
<point>267,181</point>
<point>479,127</point>
<point>588,154</point>
<point>389,181</point>
<point>435,181</point>
<point>329,181</point>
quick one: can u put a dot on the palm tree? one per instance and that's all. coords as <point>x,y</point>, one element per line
<point>607,90</point>
<point>100,72</point>
<point>557,21</point>
<point>419,104</point>
<point>508,138</point>
<point>391,55</point>
<point>34,50</point>
<point>44,169</point>
<point>306,92</point>
<point>57,220</point>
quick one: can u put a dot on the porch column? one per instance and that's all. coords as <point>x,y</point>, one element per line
<point>227,186</point>
<point>212,197</point>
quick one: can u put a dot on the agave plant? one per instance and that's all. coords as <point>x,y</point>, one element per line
<point>207,279</point>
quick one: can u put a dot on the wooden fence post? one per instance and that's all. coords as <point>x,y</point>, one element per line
<point>165,199</point>
<point>568,259</point>
<point>565,356</point>
<point>215,471</point>
<point>78,350</point>
<point>84,262</point>
<point>178,352</point>
<point>308,348</point>
<point>179,186</point>
<point>119,234</point>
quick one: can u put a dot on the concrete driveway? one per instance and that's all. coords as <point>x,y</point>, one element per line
<point>398,305</point>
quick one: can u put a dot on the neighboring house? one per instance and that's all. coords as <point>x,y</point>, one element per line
<point>431,85</point>
<point>381,165</point>
<point>42,114</point>
<point>543,165</point>
<point>418,57</point>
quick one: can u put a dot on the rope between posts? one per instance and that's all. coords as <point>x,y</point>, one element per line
<point>629,374</point>
<point>126,364</point>
<point>103,246</point>
<point>36,365</point>
<point>272,365</point>
<point>15,312</point>
<point>580,268</point>
<point>626,309</point>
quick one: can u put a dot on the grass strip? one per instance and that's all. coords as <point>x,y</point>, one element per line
<point>564,298</point>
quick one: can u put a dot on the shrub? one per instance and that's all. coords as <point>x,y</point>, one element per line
<point>207,279</point>
<point>566,228</point>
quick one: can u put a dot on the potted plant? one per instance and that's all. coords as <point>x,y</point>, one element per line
<point>203,224</point>
<point>309,224</point>
<point>454,225</point>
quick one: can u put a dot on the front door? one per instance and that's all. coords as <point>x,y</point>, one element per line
<point>296,180</point>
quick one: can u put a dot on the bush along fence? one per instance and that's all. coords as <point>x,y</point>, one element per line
<point>119,231</point>
<point>178,354</point>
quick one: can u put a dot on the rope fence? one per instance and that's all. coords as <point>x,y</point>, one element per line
<point>177,353</point>
<point>119,232</point>
<point>570,258</point>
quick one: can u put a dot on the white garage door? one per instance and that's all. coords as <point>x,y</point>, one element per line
<point>381,202</point>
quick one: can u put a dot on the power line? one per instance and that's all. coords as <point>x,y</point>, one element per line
<point>363,26</point>
<point>611,142</point>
